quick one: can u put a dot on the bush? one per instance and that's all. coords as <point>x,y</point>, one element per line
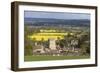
<point>28,50</point>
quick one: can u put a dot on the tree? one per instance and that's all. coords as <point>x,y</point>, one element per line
<point>84,43</point>
<point>28,43</point>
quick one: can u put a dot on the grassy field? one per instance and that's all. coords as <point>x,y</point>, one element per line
<point>45,58</point>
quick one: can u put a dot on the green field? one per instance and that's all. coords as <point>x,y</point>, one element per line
<point>45,58</point>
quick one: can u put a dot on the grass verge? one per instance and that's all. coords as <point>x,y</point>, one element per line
<point>46,58</point>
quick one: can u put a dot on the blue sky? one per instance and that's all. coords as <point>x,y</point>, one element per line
<point>55,15</point>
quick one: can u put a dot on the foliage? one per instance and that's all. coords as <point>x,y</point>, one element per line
<point>79,39</point>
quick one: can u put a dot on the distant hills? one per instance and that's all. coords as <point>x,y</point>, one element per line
<point>56,22</point>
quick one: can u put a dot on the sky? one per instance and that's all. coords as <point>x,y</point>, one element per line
<point>55,15</point>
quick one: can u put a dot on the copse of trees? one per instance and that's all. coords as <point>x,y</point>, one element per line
<point>28,44</point>
<point>78,40</point>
